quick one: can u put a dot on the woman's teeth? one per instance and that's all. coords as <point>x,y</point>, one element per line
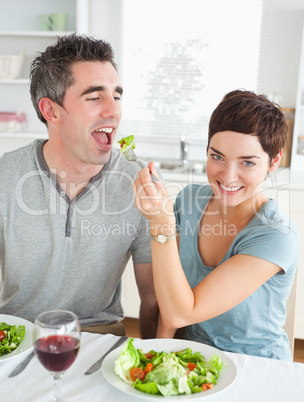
<point>229,188</point>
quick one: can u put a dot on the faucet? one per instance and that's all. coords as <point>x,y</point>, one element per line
<point>184,149</point>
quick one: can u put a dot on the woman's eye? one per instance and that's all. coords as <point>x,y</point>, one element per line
<point>249,163</point>
<point>216,157</point>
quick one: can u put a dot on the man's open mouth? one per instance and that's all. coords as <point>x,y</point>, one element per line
<point>103,136</point>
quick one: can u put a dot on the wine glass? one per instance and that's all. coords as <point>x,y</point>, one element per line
<point>56,337</point>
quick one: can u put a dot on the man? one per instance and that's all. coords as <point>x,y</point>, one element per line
<point>67,221</point>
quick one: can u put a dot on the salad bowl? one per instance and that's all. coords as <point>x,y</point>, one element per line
<point>26,345</point>
<point>227,377</point>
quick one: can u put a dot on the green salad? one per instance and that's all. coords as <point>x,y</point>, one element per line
<point>126,142</point>
<point>167,374</point>
<point>10,337</point>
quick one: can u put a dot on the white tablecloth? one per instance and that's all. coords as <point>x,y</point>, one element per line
<point>259,379</point>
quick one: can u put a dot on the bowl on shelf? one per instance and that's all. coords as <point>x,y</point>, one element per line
<point>11,65</point>
<point>11,122</point>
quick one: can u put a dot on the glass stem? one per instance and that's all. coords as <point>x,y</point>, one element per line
<point>57,382</point>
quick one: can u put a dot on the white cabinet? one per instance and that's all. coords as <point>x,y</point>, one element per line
<point>297,158</point>
<point>129,293</point>
<point>297,216</point>
<point>11,141</point>
<point>20,30</point>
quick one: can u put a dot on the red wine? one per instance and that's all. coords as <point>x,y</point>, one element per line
<point>57,352</point>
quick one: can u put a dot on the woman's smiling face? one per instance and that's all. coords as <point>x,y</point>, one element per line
<point>236,167</point>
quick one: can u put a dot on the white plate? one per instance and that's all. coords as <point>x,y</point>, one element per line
<point>227,376</point>
<point>27,342</point>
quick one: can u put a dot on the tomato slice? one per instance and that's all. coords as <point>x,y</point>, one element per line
<point>149,355</point>
<point>2,335</point>
<point>149,367</point>
<point>207,386</point>
<point>137,372</point>
<point>191,366</point>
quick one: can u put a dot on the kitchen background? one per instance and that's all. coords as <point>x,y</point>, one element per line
<point>176,59</point>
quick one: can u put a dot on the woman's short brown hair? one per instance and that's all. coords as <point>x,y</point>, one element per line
<point>247,113</point>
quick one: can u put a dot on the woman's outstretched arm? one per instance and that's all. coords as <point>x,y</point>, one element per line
<point>225,287</point>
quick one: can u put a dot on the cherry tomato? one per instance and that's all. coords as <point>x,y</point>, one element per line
<point>191,366</point>
<point>149,356</point>
<point>149,367</point>
<point>207,386</point>
<point>137,372</point>
<point>2,336</point>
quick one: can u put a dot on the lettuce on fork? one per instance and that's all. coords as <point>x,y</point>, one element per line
<point>127,142</point>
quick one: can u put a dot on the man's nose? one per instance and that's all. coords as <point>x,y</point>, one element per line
<point>110,107</point>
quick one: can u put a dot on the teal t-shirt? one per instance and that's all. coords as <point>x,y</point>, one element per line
<point>255,326</point>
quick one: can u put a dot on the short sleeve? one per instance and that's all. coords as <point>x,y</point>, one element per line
<point>141,246</point>
<point>279,247</point>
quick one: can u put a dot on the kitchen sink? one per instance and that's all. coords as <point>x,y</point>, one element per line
<point>177,167</point>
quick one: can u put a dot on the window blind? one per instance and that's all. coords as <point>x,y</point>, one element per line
<point>179,59</point>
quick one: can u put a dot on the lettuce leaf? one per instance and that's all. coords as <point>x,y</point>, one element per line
<point>126,142</point>
<point>169,376</point>
<point>14,336</point>
<point>148,388</point>
<point>128,358</point>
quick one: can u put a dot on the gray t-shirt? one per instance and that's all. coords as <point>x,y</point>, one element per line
<point>57,254</point>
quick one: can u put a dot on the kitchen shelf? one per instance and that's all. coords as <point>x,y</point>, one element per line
<point>39,34</point>
<point>15,81</point>
<point>20,29</point>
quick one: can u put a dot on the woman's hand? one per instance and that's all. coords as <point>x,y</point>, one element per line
<point>154,202</point>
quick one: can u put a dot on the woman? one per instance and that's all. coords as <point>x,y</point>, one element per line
<point>227,275</point>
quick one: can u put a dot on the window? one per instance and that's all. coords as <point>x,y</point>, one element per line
<point>180,57</point>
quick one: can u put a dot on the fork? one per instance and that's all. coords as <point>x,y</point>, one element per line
<point>131,157</point>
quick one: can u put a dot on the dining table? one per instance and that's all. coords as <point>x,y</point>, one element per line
<point>258,379</point>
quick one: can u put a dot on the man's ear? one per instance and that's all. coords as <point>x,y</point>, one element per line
<point>276,161</point>
<point>48,109</point>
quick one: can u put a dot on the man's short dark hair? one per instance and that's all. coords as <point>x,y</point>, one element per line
<point>51,72</point>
